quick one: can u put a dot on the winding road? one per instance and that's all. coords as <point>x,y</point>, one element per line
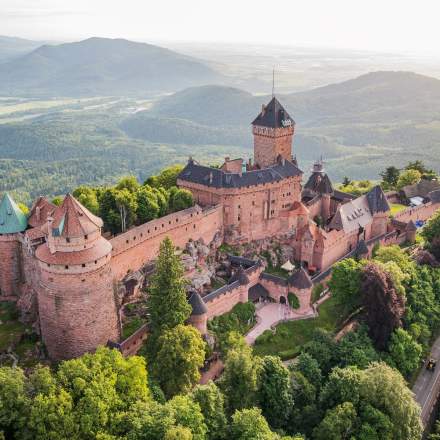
<point>427,385</point>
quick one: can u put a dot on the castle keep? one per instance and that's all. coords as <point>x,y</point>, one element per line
<point>57,261</point>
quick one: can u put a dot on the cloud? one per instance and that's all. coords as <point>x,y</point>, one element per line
<point>27,13</point>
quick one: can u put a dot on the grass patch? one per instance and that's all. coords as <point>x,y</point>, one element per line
<point>396,207</point>
<point>240,319</point>
<point>276,270</point>
<point>131,326</point>
<point>290,336</point>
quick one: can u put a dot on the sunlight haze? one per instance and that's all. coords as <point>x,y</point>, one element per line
<point>372,25</point>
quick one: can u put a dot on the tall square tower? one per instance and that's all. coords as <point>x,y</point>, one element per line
<point>273,131</point>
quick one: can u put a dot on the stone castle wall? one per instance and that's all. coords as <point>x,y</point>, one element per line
<point>270,143</point>
<point>422,212</point>
<point>77,311</point>
<point>10,265</point>
<point>132,249</point>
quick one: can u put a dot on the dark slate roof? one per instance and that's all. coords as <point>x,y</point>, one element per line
<point>421,189</point>
<point>434,196</point>
<point>273,278</point>
<point>319,182</point>
<point>241,261</point>
<point>377,200</point>
<point>300,279</point>
<point>240,276</point>
<point>274,115</point>
<point>257,291</point>
<point>217,178</point>
<point>340,195</point>
<point>197,304</point>
<point>361,248</point>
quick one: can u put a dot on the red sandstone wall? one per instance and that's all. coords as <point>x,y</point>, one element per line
<point>423,212</point>
<point>275,290</point>
<point>10,265</point>
<point>270,143</point>
<point>77,312</point>
<point>132,249</point>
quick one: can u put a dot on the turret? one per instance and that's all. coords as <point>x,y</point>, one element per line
<point>199,313</point>
<point>76,302</point>
<point>12,223</point>
<point>273,131</point>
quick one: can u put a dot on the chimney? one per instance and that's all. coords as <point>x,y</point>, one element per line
<point>38,213</point>
<point>263,109</point>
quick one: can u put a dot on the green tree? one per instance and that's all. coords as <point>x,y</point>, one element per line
<point>180,199</point>
<point>249,424</point>
<point>178,433</point>
<point>384,388</point>
<point>167,301</point>
<point>13,400</point>
<point>339,423</point>
<point>88,197</point>
<point>109,211</point>
<point>419,166</point>
<point>57,200</point>
<point>345,283</point>
<point>167,178</point>
<point>130,183</point>
<point>180,355</point>
<point>346,181</point>
<point>239,379</point>
<point>187,413</point>
<point>343,385</point>
<point>309,368</point>
<point>293,300</point>
<point>396,254</point>
<point>211,402</point>
<point>274,392</point>
<point>390,176</point>
<point>127,206</point>
<point>405,351</point>
<point>408,177</point>
<point>431,234</point>
<point>147,205</point>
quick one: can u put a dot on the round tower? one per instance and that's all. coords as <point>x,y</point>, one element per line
<point>76,302</point>
<point>12,223</point>
<point>199,313</point>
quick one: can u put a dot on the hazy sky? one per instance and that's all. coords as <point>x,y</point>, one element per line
<point>403,25</point>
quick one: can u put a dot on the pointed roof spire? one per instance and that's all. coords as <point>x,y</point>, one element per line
<point>72,219</point>
<point>12,219</point>
<point>300,279</point>
<point>273,115</point>
<point>197,304</point>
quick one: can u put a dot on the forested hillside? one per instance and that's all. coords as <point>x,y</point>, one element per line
<point>101,66</point>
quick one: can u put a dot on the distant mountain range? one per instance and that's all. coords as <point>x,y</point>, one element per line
<point>102,67</point>
<point>358,125</point>
<point>12,47</point>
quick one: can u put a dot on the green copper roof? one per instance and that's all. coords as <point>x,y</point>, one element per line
<point>12,219</point>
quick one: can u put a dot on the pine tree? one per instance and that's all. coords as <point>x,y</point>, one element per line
<point>167,301</point>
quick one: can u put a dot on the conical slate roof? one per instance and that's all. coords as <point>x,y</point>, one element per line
<point>377,200</point>
<point>362,248</point>
<point>197,304</point>
<point>240,276</point>
<point>72,219</point>
<point>300,279</point>
<point>319,182</point>
<point>273,115</point>
<point>12,219</point>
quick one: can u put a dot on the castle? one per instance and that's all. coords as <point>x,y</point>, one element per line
<point>57,259</point>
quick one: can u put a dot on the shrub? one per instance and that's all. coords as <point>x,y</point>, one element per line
<point>293,300</point>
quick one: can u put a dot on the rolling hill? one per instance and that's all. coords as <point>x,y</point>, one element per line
<point>102,67</point>
<point>12,47</point>
<point>358,125</point>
